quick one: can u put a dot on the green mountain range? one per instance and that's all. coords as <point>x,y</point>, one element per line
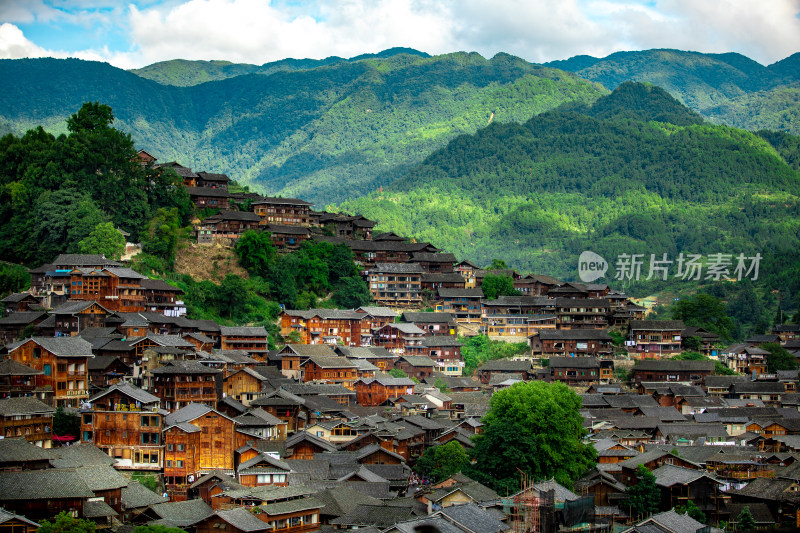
<point>321,131</point>
<point>725,88</point>
<point>636,172</point>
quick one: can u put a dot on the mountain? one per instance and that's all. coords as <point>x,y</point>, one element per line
<point>184,73</point>
<point>725,88</point>
<point>325,133</point>
<point>613,177</point>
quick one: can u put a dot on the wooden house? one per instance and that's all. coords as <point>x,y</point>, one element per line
<point>304,446</point>
<point>434,262</point>
<point>337,370</point>
<point>433,324</point>
<point>28,418</point>
<point>586,313</point>
<point>209,197</point>
<point>328,326</point>
<point>377,391</point>
<point>446,351</point>
<point>395,284</point>
<point>572,343</point>
<point>580,370</point>
<point>15,325</point>
<point>20,302</point>
<point>64,363</point>
<point>250,339</point>
<point>400,338</point>
<point>284,211</point>
<point>655,338</point>
<point>287,407</point>
<point>43,494</point>
<point>379,356</point>
<point>126,423</point>
<point>507,368</point>
<point>463,304</point>
<point>263,470</point>
<point>114,288</point>
<point>18,380</point>
<point>694,372</point>
<point>294,354</point>
<point>244,385</point>
<point>180,383</point>
<point>198,439</point>
<point>287,237</point>
<point>161,297</point>
<point>377,317</point>
<point>417,366</point>
<point>73,317</point>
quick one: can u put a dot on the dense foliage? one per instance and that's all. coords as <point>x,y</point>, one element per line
<point>55,191</point>
<point>779,358</point>
<point>299,280</point>
<point>494,286</point>
<point>726,88</point>
<point>612,179</point>
<point>706,311</point>
<point>65,523</point>
<point>534,428</point>
<point>643,497</point>
<point>442,461</point>
<point>323,131</point>
<point>478,349</point>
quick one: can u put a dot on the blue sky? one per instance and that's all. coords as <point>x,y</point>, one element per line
<point>140,32</point>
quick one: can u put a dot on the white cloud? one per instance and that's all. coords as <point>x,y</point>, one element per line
<point>14,45</point>
<point>258,31</point>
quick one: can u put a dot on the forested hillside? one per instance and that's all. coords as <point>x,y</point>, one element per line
<point>325,133</point>
<point>634,173</point>
<point>725,88</point>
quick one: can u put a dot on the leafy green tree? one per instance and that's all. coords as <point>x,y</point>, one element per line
<point>706,311</point>
<point>779,358</point>
<point>692,510</point>
<point>644,497</point>
<point>256,252</point>
<point>397,373</point>
<point>533,427</point>
<point>478,349</point>
<point>62,219</point>
<point>104,239</point>
<point>65,423</point>
<point>692,343</point>
<point>352,292</point>
<point>745,521</point>
<point>157,528</point>
<point>231,296</point>
<point>494,286</point>
<point>162,234</point>
<point>441,385</point>
<point>497,264</point>
<point>441,462</point>
<point>13,278</point>
<point>64,523</point>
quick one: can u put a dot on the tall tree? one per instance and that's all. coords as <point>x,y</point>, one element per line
<point>104,239</point>
<point>441,462</point>
<point>643,498</point>
<point>779,358</point>
<point>494,286</point>
<point>705,311</point>
<point>533,427</point>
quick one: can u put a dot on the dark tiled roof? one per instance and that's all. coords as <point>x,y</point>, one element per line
<point>182,514</point>
<point>24,406</point>
<point>48,484</point>
<point>657,325</point>
<point>574,362</point>
<point>460,293</point>
<point>575,334</point>
<point>672,365</point>
<point>398,268</point>
<point>63,346</point>
<point>16,450</point>
<point>9,367</point>
<point>136,496</point>
<point>242,519</point>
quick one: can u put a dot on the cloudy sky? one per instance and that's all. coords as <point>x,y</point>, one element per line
<point>140,32</point>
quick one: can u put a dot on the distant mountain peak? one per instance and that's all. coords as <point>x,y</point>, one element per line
<point>645,102</point>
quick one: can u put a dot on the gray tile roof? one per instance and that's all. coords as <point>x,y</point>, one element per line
<point>24,406</point>
<point>243,331</point>
<point>473,518</point>
<point>137,496</point>
<point>242,519</point>
<point>48,484</point>
<point>183,514</point>
<point>129,390</point>
<point>64,346</point>
<point>18,449</point>
<point>98,509</point>
<point>9,367</point>
<point>291,506</point>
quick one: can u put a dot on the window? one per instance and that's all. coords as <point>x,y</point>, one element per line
<point>180,447</point>
<point>170,447</point>
<point>179,463</point>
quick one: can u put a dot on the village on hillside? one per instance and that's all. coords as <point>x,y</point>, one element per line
<point>186,423</point>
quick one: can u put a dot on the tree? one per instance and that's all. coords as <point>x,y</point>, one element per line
<point>779,358</point>
<point>441,462</point>
<point>104,239</point>
<point>397,373</point>
<point>643,498</point>
<point>692,343</point>
<point>13,278</point>
<point>162,234</point>
<point>532,427</point>
<point>441,385</point>
<point>692,510</point>
<point>256,252</point>
<point>351,292</point>
<point>745,521</point>
<point>64,523</point>
<point>231,296</point>
<point>705,311</point>
<point>497,264</point>
<point>157,528</point>
<point>65,423</point>
<point>494,286</point>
